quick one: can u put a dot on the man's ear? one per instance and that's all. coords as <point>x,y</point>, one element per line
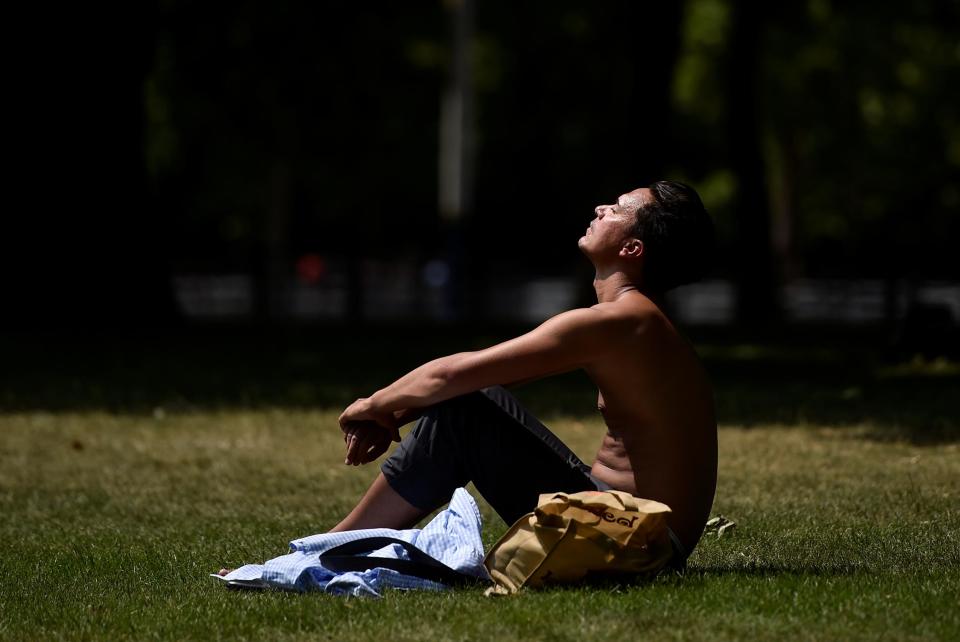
<point>632,248</point>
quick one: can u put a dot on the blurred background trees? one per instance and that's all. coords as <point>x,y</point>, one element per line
<point>291,140</point>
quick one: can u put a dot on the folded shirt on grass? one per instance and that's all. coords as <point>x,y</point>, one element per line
<point>452,537</point>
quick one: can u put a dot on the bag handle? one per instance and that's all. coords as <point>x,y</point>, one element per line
<point>345,558</point>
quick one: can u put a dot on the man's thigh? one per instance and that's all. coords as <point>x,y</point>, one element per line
<point>520,459</point>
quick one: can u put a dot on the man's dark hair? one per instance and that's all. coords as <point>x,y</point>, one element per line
<point>677,234</point>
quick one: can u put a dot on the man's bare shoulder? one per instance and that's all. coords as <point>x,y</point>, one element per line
<point>635,313</point>
<point>601,318</point>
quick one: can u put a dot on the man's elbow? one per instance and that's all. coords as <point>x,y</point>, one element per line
<point>449,372</point>
<point>443,374</point>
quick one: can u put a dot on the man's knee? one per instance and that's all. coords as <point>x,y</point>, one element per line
<point>437,452</point>
<point>451,423</point>
<point>455,407</point>
<point>499,395</point>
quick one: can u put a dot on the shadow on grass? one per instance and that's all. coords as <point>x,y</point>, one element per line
<point>918,404</point>
<point>617,583</point>
<point>836,383</point>
<point>772,570</point>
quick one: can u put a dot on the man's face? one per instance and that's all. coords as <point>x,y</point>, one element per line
<point>613,224</point>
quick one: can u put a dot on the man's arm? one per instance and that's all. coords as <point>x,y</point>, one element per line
<point>565,342</point>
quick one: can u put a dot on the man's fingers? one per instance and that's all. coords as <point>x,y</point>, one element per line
<point>363,446</point>
<point>365,441</point>
<point>353,449</point>
<point>350,439</point>
<point>375,446</point>
<point>359,443</point>
<point>351,432</point>
<point>377,449</point>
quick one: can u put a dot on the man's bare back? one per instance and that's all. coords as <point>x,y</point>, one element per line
<point>661,440</point>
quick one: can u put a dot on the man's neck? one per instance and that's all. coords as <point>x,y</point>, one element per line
<point>610,286</point>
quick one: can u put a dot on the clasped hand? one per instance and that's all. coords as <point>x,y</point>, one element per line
<point>367,433</point>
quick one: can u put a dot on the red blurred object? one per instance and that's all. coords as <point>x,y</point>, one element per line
<point>311,268</point>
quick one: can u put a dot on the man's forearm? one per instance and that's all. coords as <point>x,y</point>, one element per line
<point>431,383</point>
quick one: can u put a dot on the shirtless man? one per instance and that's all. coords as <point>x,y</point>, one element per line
<point>661,439</point>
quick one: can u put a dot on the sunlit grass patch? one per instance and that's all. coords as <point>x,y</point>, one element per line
<point>111,523</point>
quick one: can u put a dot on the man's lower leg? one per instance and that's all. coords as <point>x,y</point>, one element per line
<point>381,507</point>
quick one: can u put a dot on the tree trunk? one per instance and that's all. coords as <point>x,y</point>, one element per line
<point>753,259</point>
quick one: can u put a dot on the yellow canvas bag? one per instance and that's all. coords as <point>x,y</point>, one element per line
<point>569,536</point>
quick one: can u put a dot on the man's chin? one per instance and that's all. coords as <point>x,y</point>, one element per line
<point>582,244</point>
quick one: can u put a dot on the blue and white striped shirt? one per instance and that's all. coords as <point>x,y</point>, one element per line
<point>452,537</point>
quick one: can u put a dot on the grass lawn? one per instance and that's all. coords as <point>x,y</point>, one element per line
<point>845,487</point>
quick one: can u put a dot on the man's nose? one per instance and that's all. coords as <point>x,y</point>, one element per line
<point>600,210</point>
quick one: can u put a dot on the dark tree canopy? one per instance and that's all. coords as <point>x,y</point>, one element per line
<point>823,137</point>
